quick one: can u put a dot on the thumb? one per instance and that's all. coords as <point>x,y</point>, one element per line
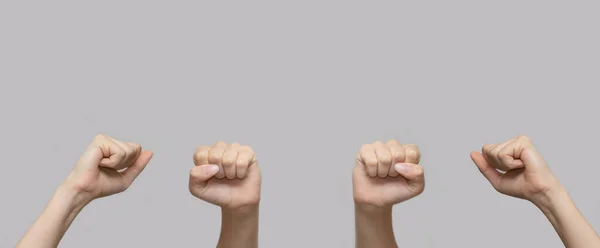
<point>202,173</point>
<point>412,172</point>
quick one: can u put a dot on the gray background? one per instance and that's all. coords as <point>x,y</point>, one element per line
<point>305,83</point>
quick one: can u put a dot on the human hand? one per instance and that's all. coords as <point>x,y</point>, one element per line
<point>387,173</point>
<point>107,167</point>
<point>515,168</point>
<point>226,175</point>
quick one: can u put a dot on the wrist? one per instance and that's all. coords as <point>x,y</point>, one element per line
<point>240,212</point>
<point>71,197</point>
<point>372,209</point>
<point>373,213</point>
<point>550,199</point>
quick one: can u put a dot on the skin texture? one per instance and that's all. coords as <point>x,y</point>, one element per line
<point>515,168</point>
<point>107,167</point>
<point>228,176</point>
<point>384,174</point>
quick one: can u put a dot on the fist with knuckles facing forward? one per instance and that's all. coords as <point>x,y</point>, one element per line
<point>226,175</point>
<point>387,173</point>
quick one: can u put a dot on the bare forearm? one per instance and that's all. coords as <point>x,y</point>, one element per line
<point>52,224</point>
<point>374,227</point>
<point>567,220</point>
<point>239,228</point>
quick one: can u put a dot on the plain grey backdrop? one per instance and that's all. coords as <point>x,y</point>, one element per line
<point>305,83</point>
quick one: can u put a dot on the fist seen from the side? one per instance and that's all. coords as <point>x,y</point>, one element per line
<point>516,168</point>
<point>387,173</point>
<point>108,166</point>
<point>226,175</point>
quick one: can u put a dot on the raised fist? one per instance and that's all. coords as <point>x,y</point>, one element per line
<point>515,168</point>
<point>107,167</point>
<point>387,173</point>
<point>226,175</point>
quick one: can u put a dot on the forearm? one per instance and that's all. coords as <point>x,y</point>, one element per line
<point>239,228</point>
<point>567,220</point>
<point>374,227</point>
<point>52,224</point>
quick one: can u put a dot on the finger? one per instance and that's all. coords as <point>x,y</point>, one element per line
<point>220,144</point>
<point>412,172</point>
<point>486,151</point>
<point>244,160</point>
<point>489,172</point>
<point>412,153</point>
<point>527,153</point>
<point>384,159</point>
<point>129,154</point>
<point>495,155</point>
<point>228,161</point>
<point>202,173</point>
<point>136,150</point>
<point>113,154</point>
<point>509,156</point>
<point>368,158</point>
<point>398,156</point>
<point>215,156</point>
<point>201,155</point>
<point>133,171</point>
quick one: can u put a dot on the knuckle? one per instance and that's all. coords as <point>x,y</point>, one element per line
<point>413,153</point>
<point>215,156</point>
<point>228,159</point>
<point>247,149</point>
<point>241,164</point>
<point>524,138</point>
<point>370,162</point>
<point>136,146</point>
<point>385,159</point>
<point>365,148</point>
<point>487,149</point>
<point>201,154</point>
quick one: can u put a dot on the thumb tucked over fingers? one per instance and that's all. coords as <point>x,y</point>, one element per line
<point>203,173</point>
<point>412,172</point>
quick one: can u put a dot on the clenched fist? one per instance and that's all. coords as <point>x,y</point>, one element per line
<point>387,173</point>
<point>515,168</point>
<point>226,175</point>
<point>107,167</point>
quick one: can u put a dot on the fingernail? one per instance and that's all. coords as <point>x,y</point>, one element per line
<point>212,169</point>
<point>402,167</point>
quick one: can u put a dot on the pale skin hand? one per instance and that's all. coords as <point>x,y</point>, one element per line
<point>515,168</point>
<point>385,174</point>
<point>228,176</point>
<point>107,167</point>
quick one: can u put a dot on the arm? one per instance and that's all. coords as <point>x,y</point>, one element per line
<point>374,227</point>
<point>227,175</point>
<point>567,220</point>
<point>384,175</point>
<point>50,227</point>
<point>239,228</point>
<point>527,176</point>
<point>87,182</point>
